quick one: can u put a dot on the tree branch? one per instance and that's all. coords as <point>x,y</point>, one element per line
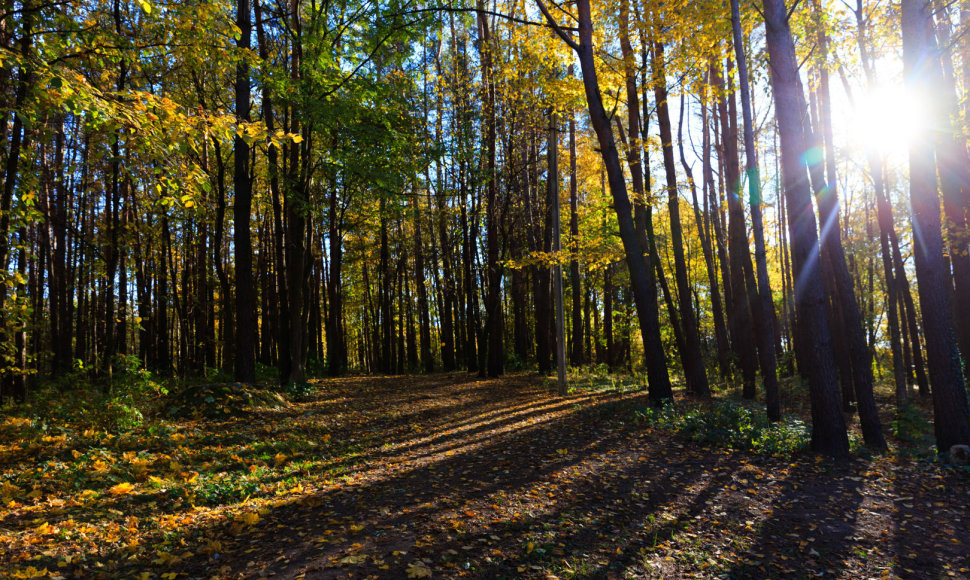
<point>558,29</point>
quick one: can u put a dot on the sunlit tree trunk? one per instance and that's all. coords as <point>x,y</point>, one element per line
<point>658,380</point>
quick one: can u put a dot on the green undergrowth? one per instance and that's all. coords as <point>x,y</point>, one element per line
<point>730,424</point>
<point>221,400</point>
<point>600,378</point>
<point>132,396</point>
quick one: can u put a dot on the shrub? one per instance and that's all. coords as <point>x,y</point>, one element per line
<point>220,400</point>
<point>732,425</point>
<point>910,425</point>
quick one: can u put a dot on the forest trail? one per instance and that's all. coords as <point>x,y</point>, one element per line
<point>451,476</point>
<point>499,478</point>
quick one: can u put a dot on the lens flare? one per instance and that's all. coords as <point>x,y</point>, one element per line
<point>887,118</point>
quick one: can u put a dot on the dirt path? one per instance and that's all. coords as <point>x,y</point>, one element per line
<point>458,477</point>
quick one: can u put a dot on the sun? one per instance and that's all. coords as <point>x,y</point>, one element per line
<point>886,119</point>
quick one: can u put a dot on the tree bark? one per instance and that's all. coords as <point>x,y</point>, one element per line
<point>951,423</point>
<point>658,380</point>
<point>245,290</point>
<point>828,425</point>
<point>693,360</point>
<point>764,308</point>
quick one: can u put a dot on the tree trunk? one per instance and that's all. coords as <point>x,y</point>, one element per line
<point>739,315</point>
<point>658,380</point>
<point>763,307</point>
<point>693,360</point>
<point>853,330</point>
<point>245,350</point>
<point>828,425</point>
<point>552,149</point>
<point>653,351</point>
<point>949,398</point>
<point>576,352</point>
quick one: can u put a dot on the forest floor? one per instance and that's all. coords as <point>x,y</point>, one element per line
<point>450,476</point>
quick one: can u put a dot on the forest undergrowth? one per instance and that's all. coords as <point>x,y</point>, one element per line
<point>448,476</point>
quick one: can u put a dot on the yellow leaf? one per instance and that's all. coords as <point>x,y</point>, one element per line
<point>30,572</point>
<point>529,547</point>
<point>8,489</point>
<point>145,6</point>
<point>44,528</point>
<point>280,458</point>
<point>121,489</point>
<point>297,139</point>
<point>418,570</point>
<point>250,518</point>
<point>190,204</point>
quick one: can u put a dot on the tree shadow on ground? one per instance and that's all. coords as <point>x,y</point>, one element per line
<point>501,479</point>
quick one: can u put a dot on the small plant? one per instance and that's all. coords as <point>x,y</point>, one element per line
<point>316,367</point>
<point>221,400</point>
<point>513,363</point>
<point>910,425</point>
<point>132,390</point>
<point>732,425</point>
<point>297,390</point>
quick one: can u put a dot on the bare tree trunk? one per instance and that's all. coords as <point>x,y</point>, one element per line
<point>693,360</point>
<point>494,316</point>
<point>576,353</point>
<point>831,242</point>
<point>764,309</point>
<point>552,149</point>
<point>245,350</point>
<point>739,315</point>
<point>658,380</point>
<point>950,423</point>
<point>828,425</point>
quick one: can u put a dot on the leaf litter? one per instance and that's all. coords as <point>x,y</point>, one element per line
<point>450,476</point>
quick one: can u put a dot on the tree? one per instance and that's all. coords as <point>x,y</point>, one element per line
<point>658,379</point>
<point>950,423</point>
<point>245,351</point>
<point>828,425</point>
<point>764,308</point>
